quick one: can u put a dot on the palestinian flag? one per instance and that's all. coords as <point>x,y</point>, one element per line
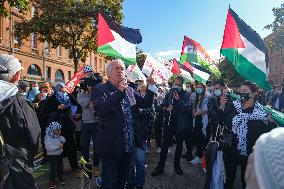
<point>117,41</point>
<point>193,52</point>
<point>198,73</point>
<point>193,71</point>
<point>178,69</point>
<point>245,49</point>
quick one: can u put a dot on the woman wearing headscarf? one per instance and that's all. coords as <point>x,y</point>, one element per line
<point>59,109</point>
<point>200,120</point>
<point>247,120</point>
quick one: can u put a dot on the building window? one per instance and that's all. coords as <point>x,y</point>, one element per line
<point>48,72</point>
<point>16,39</point>
<point>33,10</point>
<point>59,76</point>
<point>47,47</point>
<point>1,28</point>
<point>96,62</point>
<point>58,51</point>
<point>17,8</point>
<point>69,75</point>
<point>33,42</point>
<point>34,70</point>
<point>68,54</point>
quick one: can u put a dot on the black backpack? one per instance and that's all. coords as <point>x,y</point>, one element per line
<point>14,172</point>
<point>4,168</point>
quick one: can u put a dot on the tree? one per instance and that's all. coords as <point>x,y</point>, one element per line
<point>140,58</point>
<point>22,5</point>
<point>276,40</point>
<point>228,74</point>
<point>71,24</point>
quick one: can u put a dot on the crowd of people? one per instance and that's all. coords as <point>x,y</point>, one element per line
<point>120,119</point>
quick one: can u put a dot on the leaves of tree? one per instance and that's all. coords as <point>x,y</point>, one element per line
<point>228,74</point>
<point>71,24</point>
<point>276,40</point>
<point>22,5</point>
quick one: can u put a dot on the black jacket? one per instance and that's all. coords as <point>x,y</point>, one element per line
<point>110,136</point>
<point>181,112</point>
<point>19,124</point>
<point>61,116</point>
<point>255,127</point>
<point>281,100</point>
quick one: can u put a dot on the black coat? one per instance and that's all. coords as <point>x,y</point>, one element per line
<point>19,124</point>
<point>181,112</point>
<point>61,116</point>
<point>255,127</point>
<point>110,137</point>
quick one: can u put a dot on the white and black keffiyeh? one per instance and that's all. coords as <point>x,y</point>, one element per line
<point>240,127</point>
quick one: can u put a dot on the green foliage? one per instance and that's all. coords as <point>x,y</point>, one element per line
<point>140,58</point>
<point>276,40</point>
<point>22,5</point>
<point>228,74</point>
<point>71,24</point>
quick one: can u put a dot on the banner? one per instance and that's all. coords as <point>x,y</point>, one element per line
<point>134,73</point>
<point>70,85</point>
<point>161,72</point>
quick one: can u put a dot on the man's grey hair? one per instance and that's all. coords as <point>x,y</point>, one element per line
<point>6,76</point>
<point>110,64</point>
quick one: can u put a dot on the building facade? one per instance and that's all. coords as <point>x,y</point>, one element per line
<point>276,66</point>
<point>39,60</point>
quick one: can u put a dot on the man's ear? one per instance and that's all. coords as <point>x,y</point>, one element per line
<point>16,77</point>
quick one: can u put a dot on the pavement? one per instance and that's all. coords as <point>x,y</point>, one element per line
<point>193,177</point>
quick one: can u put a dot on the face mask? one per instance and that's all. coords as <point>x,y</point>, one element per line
<point>35,90</point>
<point>60,93</point>
<point>188,89</point>
<point>25,93</point>
<point>44,95</point>
<point>217,92</point>
<point>178,88</point>
<point>209,89</point>
<point>199,90</point>
<point>244,97</point>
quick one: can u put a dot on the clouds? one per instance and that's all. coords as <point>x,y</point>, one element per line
<point>215,53</point>
<point>169,54</point>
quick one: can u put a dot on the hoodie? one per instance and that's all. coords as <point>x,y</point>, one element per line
<point>19,123</point>
<point>87,113</point>
<point>52,142</point>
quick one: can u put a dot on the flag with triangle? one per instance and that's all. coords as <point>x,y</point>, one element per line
<point>117,41</point>
<point>193,52</point>
<point>245,49</point>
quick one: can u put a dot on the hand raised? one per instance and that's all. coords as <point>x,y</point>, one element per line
<point>123,85</point>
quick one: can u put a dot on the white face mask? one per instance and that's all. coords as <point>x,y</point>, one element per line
<point>44,95</point>
<point>188,89</point>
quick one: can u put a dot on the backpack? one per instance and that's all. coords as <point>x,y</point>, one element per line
<point>4,168</point>
<point>13,170</point>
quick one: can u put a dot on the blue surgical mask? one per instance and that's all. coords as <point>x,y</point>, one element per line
<point>217,92</point>
<point>209,89</point>
<point>35,90</point>
<point>199,90</point>
<point>60,93</point>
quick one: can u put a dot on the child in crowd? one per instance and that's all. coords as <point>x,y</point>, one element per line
<point>54,146</point>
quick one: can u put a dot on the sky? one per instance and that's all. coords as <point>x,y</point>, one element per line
<point>163,23</point>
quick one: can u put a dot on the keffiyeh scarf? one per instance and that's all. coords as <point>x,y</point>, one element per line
<point>240,121</point>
